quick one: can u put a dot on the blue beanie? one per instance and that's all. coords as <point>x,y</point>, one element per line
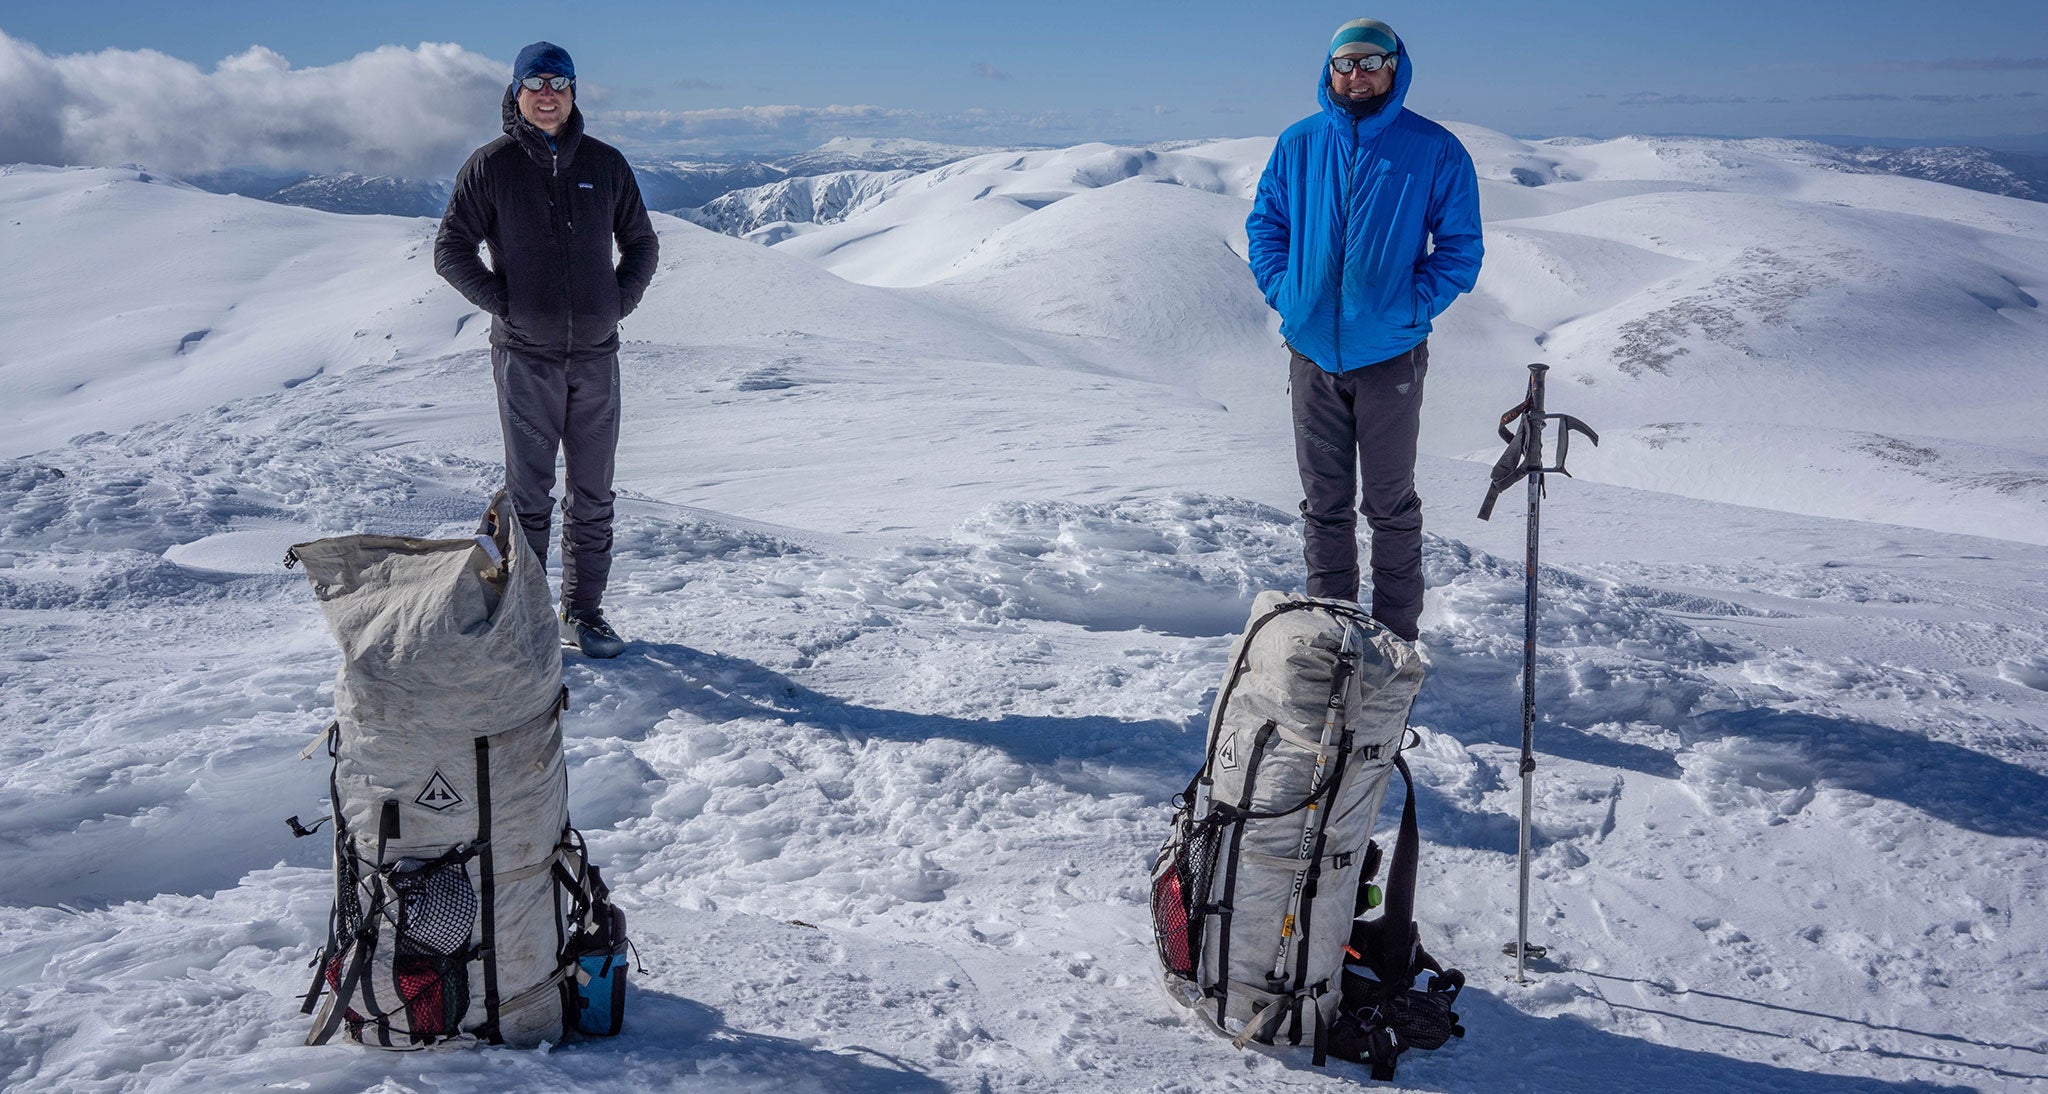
<point>1362,36</point>
<point>543,57</point>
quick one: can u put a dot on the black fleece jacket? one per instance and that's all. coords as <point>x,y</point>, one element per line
<point>549,216</point>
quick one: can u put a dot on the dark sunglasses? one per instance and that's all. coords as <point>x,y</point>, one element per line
<point>1371,62</point>
<point>553,83</point>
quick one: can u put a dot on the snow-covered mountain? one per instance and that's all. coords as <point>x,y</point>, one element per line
<point>809,199</point>
<point>2012,174</point>
<point>936,524</point>
<point>878,154</point>
<point>346,192</point>
<point>352,193</point>
<point>676,185</point>
<point>739,197</point>
<point>820,186</point>
<point>683,184</point>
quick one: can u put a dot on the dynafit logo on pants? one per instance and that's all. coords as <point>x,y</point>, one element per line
<point>439,795</point>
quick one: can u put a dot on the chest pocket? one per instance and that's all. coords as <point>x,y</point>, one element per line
<point>590,205</point>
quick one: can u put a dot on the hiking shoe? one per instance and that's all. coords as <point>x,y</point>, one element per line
<point>589,633</point>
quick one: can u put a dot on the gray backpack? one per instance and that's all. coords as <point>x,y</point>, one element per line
<point>1255,891</point>
<point>463,899</point>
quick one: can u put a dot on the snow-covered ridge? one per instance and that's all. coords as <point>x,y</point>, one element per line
<point>343,192</point>
<point>2011,174</point>
<point>810,199</point>
<point>682,185</point>
<point>821,186</point>
<point>878,154</point>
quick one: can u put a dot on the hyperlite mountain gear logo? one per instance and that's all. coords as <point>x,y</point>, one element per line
<point>1227,755</point>
<point>439,795</point>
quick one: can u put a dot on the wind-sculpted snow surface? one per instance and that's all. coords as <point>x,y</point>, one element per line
<point>930,589</point>
<point>112,272</point>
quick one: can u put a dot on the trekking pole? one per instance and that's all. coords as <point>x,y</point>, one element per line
<point>1524,457</point>
<point>1347,659</point>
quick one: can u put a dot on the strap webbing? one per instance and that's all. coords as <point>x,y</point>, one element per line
<point>549,862</point>
<point>1262,1022</point>
<point>548,987</point>
<point>331,1013</point>
<point>488,950</point>
<point>1251,778</point>
<point>341,847</point>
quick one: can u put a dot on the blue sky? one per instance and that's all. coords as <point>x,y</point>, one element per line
<point>694,77</point>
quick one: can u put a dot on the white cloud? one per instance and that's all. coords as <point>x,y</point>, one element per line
<point>391,110</point>
<point>415,112</point>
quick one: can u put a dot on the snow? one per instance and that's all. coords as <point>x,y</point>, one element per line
<point>936,526</point>
<point>809,199</point>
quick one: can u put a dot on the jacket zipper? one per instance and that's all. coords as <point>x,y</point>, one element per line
<point>1343,244</point>
<point>568,241</point>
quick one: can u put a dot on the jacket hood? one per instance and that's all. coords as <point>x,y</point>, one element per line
<point>1370,127</point>
<point>533,140</point>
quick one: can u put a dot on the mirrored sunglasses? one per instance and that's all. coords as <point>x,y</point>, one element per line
<point>1371,62</point>
<point>554,83</point>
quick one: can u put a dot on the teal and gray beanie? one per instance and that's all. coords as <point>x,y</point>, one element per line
<point>1362,36</point>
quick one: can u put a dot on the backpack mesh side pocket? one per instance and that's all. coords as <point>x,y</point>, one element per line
<point>402,975</point>
<point>436,910</point>
<point>1181,878</point>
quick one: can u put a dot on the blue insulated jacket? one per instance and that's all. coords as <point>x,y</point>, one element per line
<point>1340,231</point>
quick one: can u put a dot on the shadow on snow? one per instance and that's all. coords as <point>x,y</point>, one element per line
<point>1768,748</point>
<point>1504,1045</point>
<point>1098,756</point>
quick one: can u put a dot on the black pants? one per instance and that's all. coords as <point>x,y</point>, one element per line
<point>543,407</point>
<point>1354,443</point>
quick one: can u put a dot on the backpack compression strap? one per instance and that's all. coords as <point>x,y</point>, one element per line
<point>1390,943</point>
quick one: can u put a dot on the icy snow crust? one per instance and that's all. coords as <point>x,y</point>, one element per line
<point>937,524</point>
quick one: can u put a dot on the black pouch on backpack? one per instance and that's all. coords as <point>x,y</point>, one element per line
<point>1377,1023</point>
<point>1396,996</point>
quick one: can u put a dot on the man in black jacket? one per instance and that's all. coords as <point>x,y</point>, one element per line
<point>549,202</point>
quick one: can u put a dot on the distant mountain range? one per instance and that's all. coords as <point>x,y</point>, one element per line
<point>680,185</point>
<point>667,185</point>
<point>2010,173</point>
<point>823,184</point>
<point>347,192</point>
<point>2024,143</point>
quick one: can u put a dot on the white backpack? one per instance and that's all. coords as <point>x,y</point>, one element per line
<point>462,896</point>
<point>1256,889</point>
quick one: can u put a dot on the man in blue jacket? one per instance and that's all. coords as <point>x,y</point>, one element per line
<point>1365,227</point>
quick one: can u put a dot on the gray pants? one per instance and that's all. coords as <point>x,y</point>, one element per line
<point>543,407</point>
<point>1354,443</point>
